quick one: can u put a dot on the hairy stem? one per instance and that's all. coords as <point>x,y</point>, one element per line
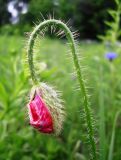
<point>70,38</point>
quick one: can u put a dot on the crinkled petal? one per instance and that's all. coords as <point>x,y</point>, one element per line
<point>40,116</point>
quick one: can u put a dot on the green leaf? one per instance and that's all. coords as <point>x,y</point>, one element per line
<point>3,94</point>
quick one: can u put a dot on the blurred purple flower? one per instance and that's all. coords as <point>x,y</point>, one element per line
<point>16,8</point>
<point>14,20</point>
<point>111,55</point>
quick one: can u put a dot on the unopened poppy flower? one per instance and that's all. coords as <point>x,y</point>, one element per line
<point>111,55</point>
<point>40,116</point>
<point>45,109</point>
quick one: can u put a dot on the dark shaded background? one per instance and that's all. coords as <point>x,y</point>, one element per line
<point>87,16</point>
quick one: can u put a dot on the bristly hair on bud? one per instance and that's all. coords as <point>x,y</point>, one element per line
<point>47,114</point>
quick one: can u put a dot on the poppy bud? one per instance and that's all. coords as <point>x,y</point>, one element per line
<point>45,109</point>
<point>39,115</point>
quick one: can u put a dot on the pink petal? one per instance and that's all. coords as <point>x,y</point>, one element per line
<point>40,116</point>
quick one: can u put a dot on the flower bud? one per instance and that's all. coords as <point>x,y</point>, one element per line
<point>45,109</point>
<point>39,115</point>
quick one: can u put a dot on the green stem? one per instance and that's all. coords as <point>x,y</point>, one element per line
<point>110,155</point>
<point>70,38</point>
<point>102,144</point>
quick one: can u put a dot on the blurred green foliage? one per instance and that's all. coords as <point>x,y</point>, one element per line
<point>86,16</point>
<point>20,141</point>
<point>17,139</point>
<point>113,33</point>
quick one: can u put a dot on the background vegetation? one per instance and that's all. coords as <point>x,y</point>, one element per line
<point>82,14</point>
<point>54,65</point>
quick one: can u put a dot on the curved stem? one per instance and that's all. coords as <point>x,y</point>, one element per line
<point>70,38</point>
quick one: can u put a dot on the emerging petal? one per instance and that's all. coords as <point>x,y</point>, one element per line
<point>40,116</point>
<point>46,110</point>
